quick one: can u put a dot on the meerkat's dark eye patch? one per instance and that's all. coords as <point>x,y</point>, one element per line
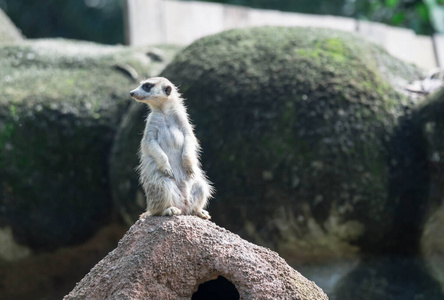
<point>167,90</point>
<point>147,86</point>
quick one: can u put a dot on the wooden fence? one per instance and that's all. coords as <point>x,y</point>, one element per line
<point>150,22</point>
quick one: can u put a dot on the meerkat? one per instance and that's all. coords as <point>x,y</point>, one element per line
<point>170,170</point>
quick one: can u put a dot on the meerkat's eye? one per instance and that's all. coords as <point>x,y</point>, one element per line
<point>147,87</point>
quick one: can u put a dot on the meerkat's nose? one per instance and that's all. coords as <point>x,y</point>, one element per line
<point>132,93</point>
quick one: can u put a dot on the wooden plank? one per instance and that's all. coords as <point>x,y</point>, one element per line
<point>374,32</point>
<point>145,22</point>
<point>425,52</point>
<point>259,17</point>
<point>191,20</point>
<point>399,42</point>
<point>324,21</point>
<point>236,16</point>
<point>264,17</point>
<point>438,40</point>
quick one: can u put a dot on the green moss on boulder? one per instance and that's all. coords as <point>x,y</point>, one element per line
<point>294,124</point>
<point>60,105</point>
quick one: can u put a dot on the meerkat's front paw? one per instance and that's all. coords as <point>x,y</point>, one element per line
<point>203,214</point>
<point>190,171</point>
<point>187,165</point>
<point>168,172</point>
<point>171,211</point>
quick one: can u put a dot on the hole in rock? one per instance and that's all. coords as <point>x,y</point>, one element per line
<point>217,289</point>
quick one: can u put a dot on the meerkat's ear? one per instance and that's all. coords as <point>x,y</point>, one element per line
<point>167,90</point>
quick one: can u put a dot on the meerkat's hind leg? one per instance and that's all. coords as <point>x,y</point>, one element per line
<point>171,211</point>
<point>199,198</point>
<point>202,213</point>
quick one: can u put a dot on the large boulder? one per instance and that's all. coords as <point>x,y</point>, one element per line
<point>429,118</point>
<point>52,275</point>
<point>295,126</point>
<point>396,277</point>
<point>60,105</point>
<point>415,267</point>
<point>127,195</point>
<point>186,257</point>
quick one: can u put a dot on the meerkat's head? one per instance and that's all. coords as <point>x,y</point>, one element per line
<point>154,91</point>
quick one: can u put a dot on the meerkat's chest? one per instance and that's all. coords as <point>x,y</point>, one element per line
<point>169,136</point>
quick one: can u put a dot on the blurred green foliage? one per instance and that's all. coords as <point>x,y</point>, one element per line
<point>91,20</point>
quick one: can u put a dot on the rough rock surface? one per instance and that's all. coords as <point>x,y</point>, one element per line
<point>295,126</point>
<point>169,257</point>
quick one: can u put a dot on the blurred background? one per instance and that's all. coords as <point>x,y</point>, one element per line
<point>322,133</point>
<point>102,20</point>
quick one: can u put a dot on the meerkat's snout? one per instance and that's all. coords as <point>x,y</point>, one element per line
<point>138,94</point>
<point>134,93</point>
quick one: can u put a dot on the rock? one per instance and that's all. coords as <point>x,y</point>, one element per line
<point>51,275</point>
<point>128,197</point>
<point>61,103</point>
<point>429,118</point>
<point>8,32</point>
<point>295,125</point>
<point>170,257</point>
<point>417,173</point>
<point>432,244</point>
<point>390,278</point>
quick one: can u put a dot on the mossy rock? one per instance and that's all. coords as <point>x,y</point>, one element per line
<point>128,196</point>
<point>429,118</point>
<point>8,32</point>
<point>60,105</point>
<point>295,125</point>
